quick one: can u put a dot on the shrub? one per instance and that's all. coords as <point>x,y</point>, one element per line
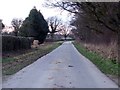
<point>10,43</point>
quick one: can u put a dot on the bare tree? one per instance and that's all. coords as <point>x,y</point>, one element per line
<point>64,31</point>
<point>1,26</point>
<point>54,24</point>
<point>71,7</point>
<point>16,23</point>
<point>98,12</point>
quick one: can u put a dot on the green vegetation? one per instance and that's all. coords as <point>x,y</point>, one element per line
<point>35,26</point>
<point>10,43</point>
<point>14,64</point>
<point>105,65</point>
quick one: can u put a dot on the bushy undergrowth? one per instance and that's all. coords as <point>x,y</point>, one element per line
<point>10,43</point>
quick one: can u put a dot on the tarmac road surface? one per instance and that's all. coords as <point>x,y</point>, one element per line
<point>64,67</point>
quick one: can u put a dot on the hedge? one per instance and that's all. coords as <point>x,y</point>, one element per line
<point>10,43</point>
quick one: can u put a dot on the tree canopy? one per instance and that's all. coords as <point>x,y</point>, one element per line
<point>93,19</point>
<point>35,26</point>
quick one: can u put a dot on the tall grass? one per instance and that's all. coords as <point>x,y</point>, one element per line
<point>104,64</point>
<point>107,50</point>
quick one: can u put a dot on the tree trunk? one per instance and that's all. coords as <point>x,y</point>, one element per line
<point>52,36</point>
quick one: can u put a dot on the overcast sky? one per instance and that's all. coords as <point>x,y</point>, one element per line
<point>10,9</point>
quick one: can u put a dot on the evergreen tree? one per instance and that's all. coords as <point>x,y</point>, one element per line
<point>35,26</point>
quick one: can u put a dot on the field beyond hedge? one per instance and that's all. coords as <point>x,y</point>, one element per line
<point>12,62</point>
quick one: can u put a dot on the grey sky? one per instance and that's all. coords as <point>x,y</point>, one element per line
<point>10,9</point>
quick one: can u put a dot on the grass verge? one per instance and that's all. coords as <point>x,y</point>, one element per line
<point>105,65</point>
<point>11,65</point>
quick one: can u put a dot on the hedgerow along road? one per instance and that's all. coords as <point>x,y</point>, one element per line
<point>64,67</point>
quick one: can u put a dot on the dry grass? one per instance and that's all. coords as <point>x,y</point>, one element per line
<point>109,51</point>
<point>14,63</point>
<point>107,66</point>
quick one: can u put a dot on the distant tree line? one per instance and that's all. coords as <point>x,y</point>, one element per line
<point>93,20</point>
<point>97,25</point>
<point>33,26</point>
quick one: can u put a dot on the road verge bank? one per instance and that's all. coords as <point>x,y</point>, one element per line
<point>105,65</point>
<point>11,65</point>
